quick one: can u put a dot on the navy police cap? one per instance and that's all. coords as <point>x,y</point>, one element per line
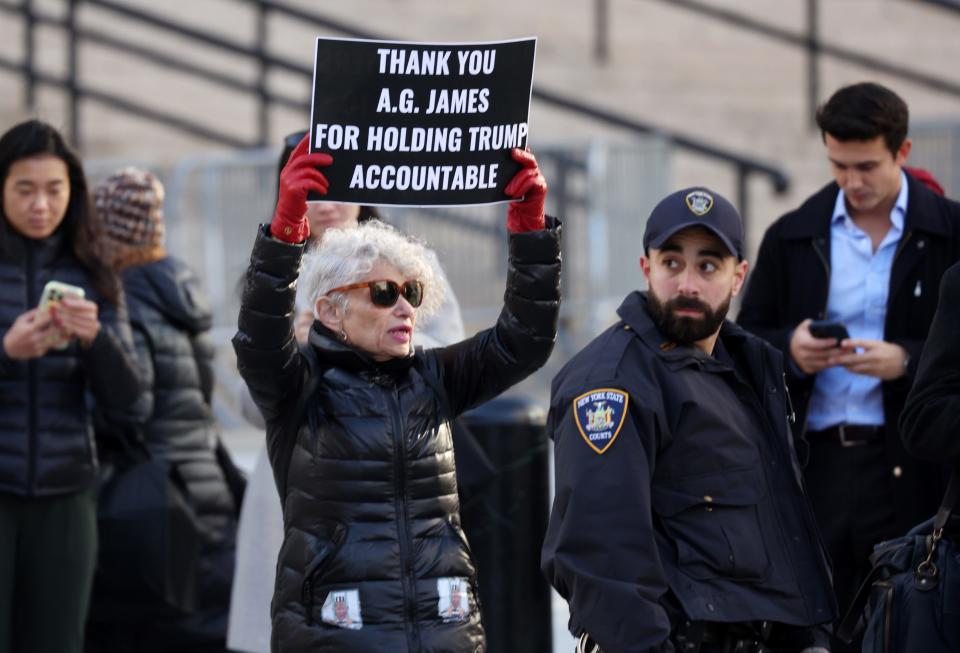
<point>695,207</point>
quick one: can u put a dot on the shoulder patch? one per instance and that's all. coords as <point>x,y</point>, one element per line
<point>599,414</point>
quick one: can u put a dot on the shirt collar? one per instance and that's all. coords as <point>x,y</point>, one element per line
<point>897,214</point>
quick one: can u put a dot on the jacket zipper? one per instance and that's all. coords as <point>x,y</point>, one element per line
<point>407,580</point>
<point>792,415</point>
<point>33,385</point>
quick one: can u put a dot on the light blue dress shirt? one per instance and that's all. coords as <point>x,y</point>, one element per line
<point>859,286</point>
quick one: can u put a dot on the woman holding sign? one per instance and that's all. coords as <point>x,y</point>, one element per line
<point>373,557</point>
<point>260,532</point>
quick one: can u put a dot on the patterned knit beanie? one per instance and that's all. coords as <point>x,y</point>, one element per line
<point>129,218</point>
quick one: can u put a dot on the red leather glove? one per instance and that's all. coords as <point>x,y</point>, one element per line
<point>527,214</point>
<point>298,177</point>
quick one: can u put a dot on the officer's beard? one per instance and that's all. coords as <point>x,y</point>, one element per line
<point>686,330</point>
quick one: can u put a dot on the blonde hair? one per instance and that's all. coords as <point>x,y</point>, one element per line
<point>345,256</point>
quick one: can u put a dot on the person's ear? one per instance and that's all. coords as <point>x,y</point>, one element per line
<point>739,276</point>
<point>330,314</point>
<point>645,268</point>
<point>904,152</point>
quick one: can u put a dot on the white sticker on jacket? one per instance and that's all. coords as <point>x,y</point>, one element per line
<point>454,601</point>
<point>342,609</point>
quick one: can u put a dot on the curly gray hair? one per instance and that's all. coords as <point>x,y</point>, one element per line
<point>345,256</point>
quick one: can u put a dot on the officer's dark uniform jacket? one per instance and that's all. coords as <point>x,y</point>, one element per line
<point>367,475</point>
<point>171,318</point>
<point>46,436</point>
<point>696,509</point>
<point>791,282</point>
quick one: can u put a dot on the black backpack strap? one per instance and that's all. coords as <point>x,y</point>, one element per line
<point>949,503</point>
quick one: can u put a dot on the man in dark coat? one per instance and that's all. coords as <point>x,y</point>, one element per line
<point>867,250</point>
<point>680,522</point>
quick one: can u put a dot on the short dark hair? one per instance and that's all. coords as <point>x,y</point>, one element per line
<point>290,143</point>
<point>861,112</point>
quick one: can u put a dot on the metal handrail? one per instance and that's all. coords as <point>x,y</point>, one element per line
<point>182,64</point>
<point>815,47</point>
<point>744,165</point>
<point>949,5</point>
<point>130,106</point>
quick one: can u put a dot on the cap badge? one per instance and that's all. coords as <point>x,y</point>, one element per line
<point>700,202</point>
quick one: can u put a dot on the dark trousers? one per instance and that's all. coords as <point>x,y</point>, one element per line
<point>850,490</point>
<point>48,550</point>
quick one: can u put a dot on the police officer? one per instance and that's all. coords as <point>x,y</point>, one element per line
<point>680,521</point>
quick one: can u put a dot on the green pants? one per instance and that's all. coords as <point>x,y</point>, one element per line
<point>48,550</point>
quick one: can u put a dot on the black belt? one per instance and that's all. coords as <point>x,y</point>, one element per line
<point>848,435</point>
<point>748,637</point>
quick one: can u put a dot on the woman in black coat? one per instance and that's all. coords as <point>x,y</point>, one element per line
<point>373,557</point>
<point>51,362</point>
<point>171,319</point>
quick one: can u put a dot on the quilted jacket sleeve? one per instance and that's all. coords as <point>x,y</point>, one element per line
<point>268,357</point>
<point>481,367</point>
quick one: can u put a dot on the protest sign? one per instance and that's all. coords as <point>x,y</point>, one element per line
<point>420,124</point>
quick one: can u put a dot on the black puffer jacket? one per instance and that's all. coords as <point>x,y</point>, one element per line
<point>46,436</point>
<point>171,318</point>
<point>373,557</point>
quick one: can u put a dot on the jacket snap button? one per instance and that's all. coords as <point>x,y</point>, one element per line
<point>897,471</point>
<point>921,244</point>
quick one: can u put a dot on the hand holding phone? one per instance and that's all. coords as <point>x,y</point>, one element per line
<point>812,348</point>
<point>829,329</point>
<point>51,301</point>
<point>28,336</point>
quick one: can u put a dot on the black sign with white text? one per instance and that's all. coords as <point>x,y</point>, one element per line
<point>420,124</point>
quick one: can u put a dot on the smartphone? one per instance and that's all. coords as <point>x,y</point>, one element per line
<point>829,329</point>
<point>53,292</point>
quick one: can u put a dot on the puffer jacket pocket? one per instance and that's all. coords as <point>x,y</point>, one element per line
<point>462,538</point>
<point>334,534</point>
<point>714,524</point>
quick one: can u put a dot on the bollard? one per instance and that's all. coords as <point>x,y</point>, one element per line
<point>505,517</point>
